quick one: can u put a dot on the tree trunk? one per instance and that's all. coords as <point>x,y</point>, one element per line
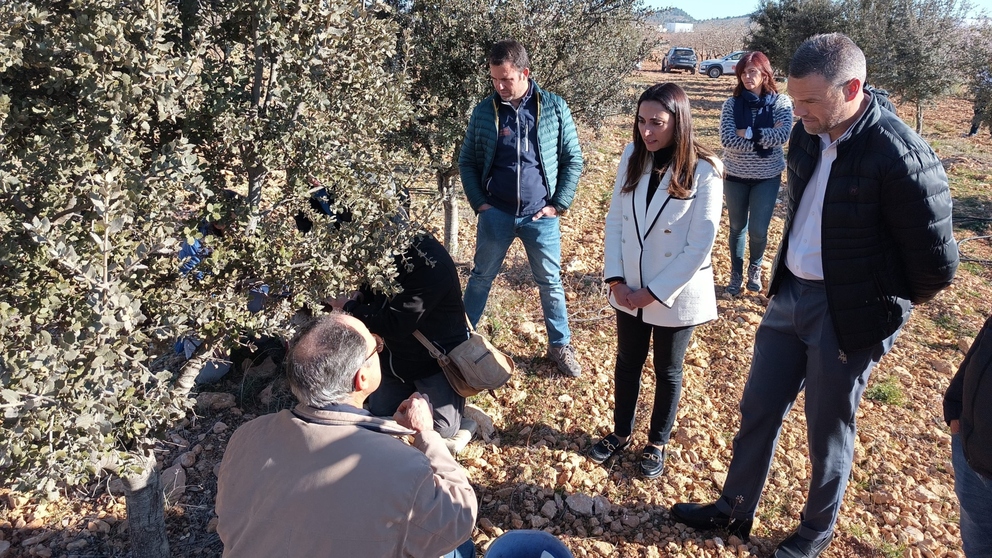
<point>256,170</point>
<point>450,212</point>
<point>189,16</point>
<point>146,512</point>
<point>919,118</point>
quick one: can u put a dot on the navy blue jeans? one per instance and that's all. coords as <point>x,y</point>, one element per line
<point>466,550</point>
<point>795,348</point>
<point>633,341</point>
<point>749,208</point>
<point>542,242</point>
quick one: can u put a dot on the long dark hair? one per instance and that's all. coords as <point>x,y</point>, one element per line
<point>757,59</point>
<point>687,149</point>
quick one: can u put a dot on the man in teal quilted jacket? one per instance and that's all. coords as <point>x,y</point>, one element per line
<point>520,163</point>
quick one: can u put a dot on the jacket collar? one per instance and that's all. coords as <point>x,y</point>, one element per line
<point>534,91</point>
<point>869,117</point>
<point>344,415</point>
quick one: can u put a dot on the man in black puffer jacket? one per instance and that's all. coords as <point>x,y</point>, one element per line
<point>867,234</point>
<point>968,411</point>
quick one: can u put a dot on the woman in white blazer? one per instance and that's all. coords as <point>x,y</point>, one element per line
<point>660,230</point>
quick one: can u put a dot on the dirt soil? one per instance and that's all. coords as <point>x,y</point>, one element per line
<point>900,500</point>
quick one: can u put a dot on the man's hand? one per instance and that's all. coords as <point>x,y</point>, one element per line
<point>415,413</point>
<point>640,298</point>
<point>484,207</point>
<point>546,211</point>
<point>955,426</point>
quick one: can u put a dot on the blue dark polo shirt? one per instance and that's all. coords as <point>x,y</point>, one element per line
<point>516,184</point>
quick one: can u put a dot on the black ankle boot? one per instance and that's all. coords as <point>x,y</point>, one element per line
<point>707,516</point>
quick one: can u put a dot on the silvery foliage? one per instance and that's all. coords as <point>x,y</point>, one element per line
<point>120,124</point>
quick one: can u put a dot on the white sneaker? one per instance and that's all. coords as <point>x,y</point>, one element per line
<point>457,443</point>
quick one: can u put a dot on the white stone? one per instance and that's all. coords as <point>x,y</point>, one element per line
<point>174,482</point>
<point>215,401</point>
<point>922,494</point>
<point>38,539</point>
<point>942,366</point>
<point>526,328</point>
<point>912,534</point>
<point>486,428</point>
<point>265,369</point>
<point>187,459</point>
<point>964,343</point>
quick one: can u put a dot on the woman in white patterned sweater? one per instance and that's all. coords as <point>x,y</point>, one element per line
<point>755,124</point>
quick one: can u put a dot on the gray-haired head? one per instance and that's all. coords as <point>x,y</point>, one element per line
<point>323,359</point>
<point>833,56</point>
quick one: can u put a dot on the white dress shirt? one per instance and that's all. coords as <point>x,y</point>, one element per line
<point>803,257</point>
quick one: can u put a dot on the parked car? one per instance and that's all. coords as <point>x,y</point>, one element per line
<point>718,67</point>
<point>682,58</point>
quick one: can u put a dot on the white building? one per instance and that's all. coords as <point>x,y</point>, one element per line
<point>677,28</point>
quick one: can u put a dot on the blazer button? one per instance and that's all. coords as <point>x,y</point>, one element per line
<point>625,218</point>
<point>668,254</point>
<point>623,241</point>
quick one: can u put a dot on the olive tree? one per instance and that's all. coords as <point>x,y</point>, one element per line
<point>780,26</point>
<point>120,125</point>
<point>909,46</point>
<point>975,58</point>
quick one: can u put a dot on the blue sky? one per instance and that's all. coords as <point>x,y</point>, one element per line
<point>709,9</point>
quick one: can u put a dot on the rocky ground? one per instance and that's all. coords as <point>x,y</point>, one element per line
<point>530,472</point>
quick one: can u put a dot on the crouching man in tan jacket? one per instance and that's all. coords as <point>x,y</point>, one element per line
<point>328,479</point>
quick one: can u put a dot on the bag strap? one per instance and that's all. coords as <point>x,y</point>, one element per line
<point>430,346</point>
<point>443,358</point>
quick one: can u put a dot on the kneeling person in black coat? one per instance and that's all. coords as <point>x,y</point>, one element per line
<point>431,302</point>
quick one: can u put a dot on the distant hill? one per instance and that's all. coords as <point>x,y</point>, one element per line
<point>671,15</point>
<point>677,15</point>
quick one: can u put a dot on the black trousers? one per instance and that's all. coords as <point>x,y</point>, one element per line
<point>633,341</point>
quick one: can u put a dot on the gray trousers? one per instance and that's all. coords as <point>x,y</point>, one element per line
<point>448,405</point>
<point>795,348</point>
